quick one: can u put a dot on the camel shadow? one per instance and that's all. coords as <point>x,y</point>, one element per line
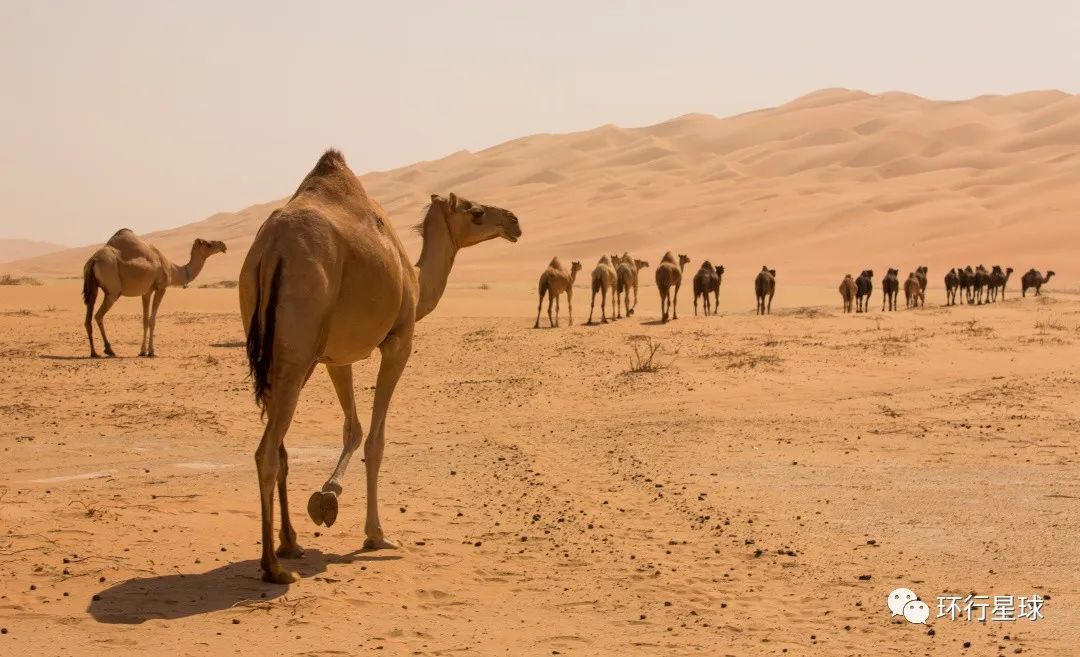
<point>229,345</point>
<point>59,357</point>
<point>654,322</point>
<point>180,595</point>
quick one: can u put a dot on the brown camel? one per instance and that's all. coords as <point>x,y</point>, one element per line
<point>129,267</point>
<point>716,290</point>
<point>638,266</point>
<point>706,282</point>
<point>966,278</point>
<point>554,281</point>
<point>626,278</point>
<point>668,274</point>
<point>847,292</point>
<point>998,280</point>
<point>920,274</point>
<point>864,286</point>
<point>604,278</point>
<point>890,287</point>
<point>765,286</point>
<point>952,286</point>
<point>328,281</point>
<point>980,283</point>
<point>1034,279</point>
<point>913,293</point>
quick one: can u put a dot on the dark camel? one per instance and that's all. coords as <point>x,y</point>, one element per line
<point>864,285</point>
<point>668,275</point>
<point>952,286</point>
<point>890,287</point>
<point>765,286</point>
<point>706,282</point>
<point>1034,279</point>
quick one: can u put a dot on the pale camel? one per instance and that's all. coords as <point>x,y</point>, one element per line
<point>864,286</point>
<point>1034,279</point>
<point>952,286</point>
<point>913,293</point>
<point>604,279</point>
<point>847,292</point>
<point>554,281</point>
<point>998,281</point>
<point>706,281</point>
<point>668,274</point>
<point>328,281</point>
<point>890,287</point>
<point>765,286</point>
<point>130,267</point>
<point>638,266</point>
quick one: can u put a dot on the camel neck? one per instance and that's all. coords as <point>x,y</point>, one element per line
<point>436,261</point>
<point>180,275</point>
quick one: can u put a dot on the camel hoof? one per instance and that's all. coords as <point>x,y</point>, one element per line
<point>94,354</point>
<point>379,544</point>
<point>289,551</point>
<point>280,577</point>
<point>322,508</point>
<point>110,353</point>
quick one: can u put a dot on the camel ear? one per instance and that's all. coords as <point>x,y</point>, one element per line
<point>435,198</point>
<point>453,200</point>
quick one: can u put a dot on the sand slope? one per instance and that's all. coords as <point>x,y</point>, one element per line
<point>832,182</point>
<point>13,249</point>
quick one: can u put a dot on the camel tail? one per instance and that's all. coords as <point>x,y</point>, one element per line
<point>260,339</point>
<point>90,284</point>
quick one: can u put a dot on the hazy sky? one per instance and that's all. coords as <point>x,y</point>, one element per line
<point>154,114</point>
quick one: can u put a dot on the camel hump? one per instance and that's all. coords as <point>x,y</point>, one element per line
<point>668,257</point>
<point>125,238</point>
<point>556,263</point>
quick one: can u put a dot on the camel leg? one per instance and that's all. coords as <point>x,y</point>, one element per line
<point>675,302</point>
<point>289,549</point>
<point>395,353</point>
<point>106,304</point>
<point>603,305</point>
<point>145,322</point>
<point>158,295</point>
<point>695,304</point>
<point>570,304</point>
<point>556,310</point>
<point>614,302</point>
<point>551,301</point>
<point>323,504</point>
<point>90,324</point>
<point>768,308</point>
<point>635,296</point>
<point>288,379</point>
<point>592,305</point>
<point>539,307</point>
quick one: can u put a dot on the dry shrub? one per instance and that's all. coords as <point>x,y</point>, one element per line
<point>220,285</point>
<point>8,279</point>
<point>645,357</point>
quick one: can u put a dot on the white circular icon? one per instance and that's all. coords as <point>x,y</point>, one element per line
<point>916,611</point>
<point>899,598</point>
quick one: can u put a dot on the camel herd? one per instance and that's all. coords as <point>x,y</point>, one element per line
<point>976,286</point>
<point>327,281</point>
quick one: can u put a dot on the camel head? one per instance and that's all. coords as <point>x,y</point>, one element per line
<point>471,223</point>
<point>922,269</point>
<point>206,248</point>
<point>683,260</point>
<point>641,264</point>
<point>615,259</point>
<point>719,270</point>
<point>997,269</point>
<point>893,272</point>
<point>575,267</point>
<point>1008,271</point>
<point>1049,273</point>
<point>772,272</point>
<point>952,272</point>
<point>867,273</point>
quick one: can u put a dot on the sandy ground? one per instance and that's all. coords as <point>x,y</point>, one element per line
<point>759,495</point>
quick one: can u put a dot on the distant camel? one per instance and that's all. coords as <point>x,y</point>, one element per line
<point>328,281</point>
<point>716,290</point>
<point>848,290</point>
<point>998,281</point>
<point>706,281</point>
<point>1034,279</point>
<point>890,288</point>
<point>913,293</point>
<point>865,286</point>
<point>626,278</point>
<point>554,281</point>
<point>980,283</point>
<point>668,274</point>
<point>966,278</point>
<point>604,279</point>
<point>765,286</point>
<point>952,285</point>
<point>638,266</point>
<point>127,266</point>
<point>920,273</point>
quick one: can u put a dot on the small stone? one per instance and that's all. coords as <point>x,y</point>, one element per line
<point>967,644</point>
<point>236,621</point>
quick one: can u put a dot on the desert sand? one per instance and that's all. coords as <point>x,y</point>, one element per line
<point>761,493</point>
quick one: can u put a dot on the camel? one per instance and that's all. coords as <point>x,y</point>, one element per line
<point>638,265</point>
<point>998,280</point>
<point>626,277</point>
<point>765,285</point>
<point>706,281</point>
<point>966,279</point>
<point>847,292</point>
<point>328,281</point>
<point>716,290</point>
<point>554,281</point>
<point>920,274</point>
<point>890,287</point>
<point>604,278</point>
<point>913,293</point>
<point>669,274</point>
<point>1034,279</point>
<point>130,267</point>
<point>980,281</point>
<point>952,286</point>
<point>865,286</point>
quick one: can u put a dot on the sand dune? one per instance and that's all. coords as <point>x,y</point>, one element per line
<point>831,182</point>
<point>12,249</point>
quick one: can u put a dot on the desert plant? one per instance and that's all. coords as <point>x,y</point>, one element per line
<point>644,359</point>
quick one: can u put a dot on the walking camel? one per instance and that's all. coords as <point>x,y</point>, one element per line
<point>638,266</point>
<point>890,287</point>
<point>952,286</point>
<point>706,281</point>
<point>130,267</point>
<point>966,278</point>
<point>979,283</point>
<point>913,293</point>
<point>998,281</point>
<point>1034,279</point>
<point>604,278</point>
<point>920,274</point>
<point>669,274</point>
<point>765,285</point>
<point>626,278</point>
<point>864,285</point>
<point>847,292</point>
<point>554,281</point>
<point>328,281</point>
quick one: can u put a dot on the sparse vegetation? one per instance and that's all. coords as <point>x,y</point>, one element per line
<point>1052,323</point>
<point>644,359</point>
<point>972,328</point>
<point>8,279</point>
<point>226,285</point>
<point>483,286</point>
